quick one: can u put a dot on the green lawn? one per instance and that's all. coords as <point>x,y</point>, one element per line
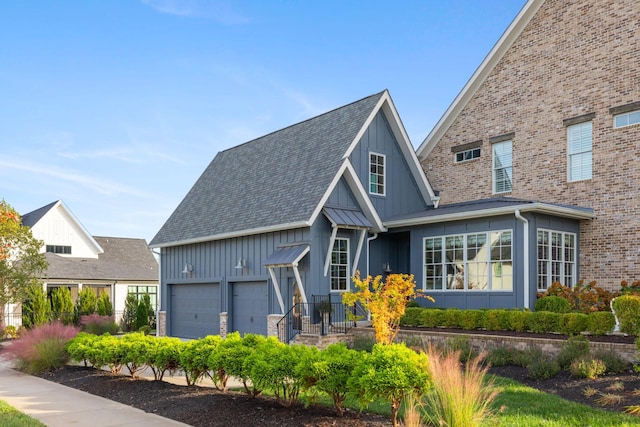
<point>11,417</point>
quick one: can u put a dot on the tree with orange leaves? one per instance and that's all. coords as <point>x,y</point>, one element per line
<point>21,263</point>
<point>386,300</point>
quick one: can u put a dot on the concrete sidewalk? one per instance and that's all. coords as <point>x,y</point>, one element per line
<point>57,405</point>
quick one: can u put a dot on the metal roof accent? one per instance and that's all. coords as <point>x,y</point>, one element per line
<point>287,256</point>
<point>347,218</point>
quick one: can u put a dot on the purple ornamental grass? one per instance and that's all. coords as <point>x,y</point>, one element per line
<point>42,348</point>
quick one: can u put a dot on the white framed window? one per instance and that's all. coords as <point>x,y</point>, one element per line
<point>340,265</point>
<point>472,262</point>
<point>377,173</point>
<point>579,145</point>
<point>502,167</point>
<point>140,291</point>
<point>59,249</point>
<point>626,119</point>
<point>466,155</point>
<point>556,258</point>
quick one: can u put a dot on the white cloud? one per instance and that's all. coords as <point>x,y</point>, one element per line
<point>217,10</point>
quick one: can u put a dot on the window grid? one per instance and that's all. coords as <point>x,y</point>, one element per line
<point>59,249</point>
<point>502,167</point>
<point>140,291</point>
<point>556,258</point>
<point>579,140</point>
<point>376,174</point>
<point>626,119</point>
<point>464,156</point>
<point>474,261</point>
<point>340,265</point>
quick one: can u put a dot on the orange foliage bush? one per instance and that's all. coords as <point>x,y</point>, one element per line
<point>583,298</point>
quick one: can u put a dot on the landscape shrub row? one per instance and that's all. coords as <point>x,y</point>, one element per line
<point>596,323</point>
<point>389,372</point>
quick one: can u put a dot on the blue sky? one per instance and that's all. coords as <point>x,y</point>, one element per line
<point>117,107</point>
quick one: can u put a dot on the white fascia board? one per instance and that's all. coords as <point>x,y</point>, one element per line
<point>234,234</point>
<point>347,170</point>
<point>565,212</point>
<point>479,76</point>
<point>365,126</point>
<point>88,235</point>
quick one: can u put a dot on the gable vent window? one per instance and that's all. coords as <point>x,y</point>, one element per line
<point>626,119</point>
<point>57,249</point>
<point>377,172</point>
<point>467,155</point>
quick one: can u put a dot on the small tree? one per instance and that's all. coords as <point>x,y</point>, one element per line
<point>62,305</point>
<point>36,309</point>
<point>142,315</point>
<point>105,308</point>
<point>21,263</point>
<point>129,315</point>
<point>86,303</point>
<point>385,300</point>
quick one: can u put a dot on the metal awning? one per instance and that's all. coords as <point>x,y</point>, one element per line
<point>347,218</point>
<point>286,256</point>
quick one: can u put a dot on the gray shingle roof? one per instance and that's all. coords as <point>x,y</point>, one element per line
<point>31,218</point>
<point>272,181</point>
<point>123,259</point>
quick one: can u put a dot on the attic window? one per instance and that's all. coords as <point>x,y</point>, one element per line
<point>376,173</point>
<point>466,152</point>
<point>57,249</point>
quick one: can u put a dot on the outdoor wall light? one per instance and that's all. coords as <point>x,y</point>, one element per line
<point>242,263</point>
<point>188,268</point>
<point>386,268</point>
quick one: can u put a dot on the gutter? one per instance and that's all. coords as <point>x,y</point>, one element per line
<point>527,285</point>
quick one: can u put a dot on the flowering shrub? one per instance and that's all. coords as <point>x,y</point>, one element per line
<point>98,325</point>
<point>582,298</point>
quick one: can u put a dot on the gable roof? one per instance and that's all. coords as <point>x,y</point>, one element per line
<point>520,22</point>
<point>32,218</point>
<point>123,259</point>
<point>281,180</point>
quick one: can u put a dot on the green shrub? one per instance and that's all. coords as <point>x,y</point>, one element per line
<point>614,363</point>
<point>471,319</point>
<point>544,322</point>
<point>79,347</point>
<point>499,356</point>
<point>553,304</point>
<point>128,322</point>
<point>42,348</point>
<point>627,310</point>
<point>451,318</point>
<point>87,303</point>
<point>573,349</point>
<point>164,356</point>
<point>390,372</point>
<point>99,325</point>
<point>235,352</point>
<point>543,369</point>
<point>142,315</point>
<point>496,320</point>
<point>524,358</point>
<point>573,323</point>
<point>600,322</point>
<point>461,345</point>
<point>431,317</point>
<point>411,316</point>
<point>136,348</point>
<point>194,358</point>
<point>587,367</point>
<point>518,320</point>
<point>36,309</point>
<point>362,343</point>
<point>62,305</point>
<point>105,308</point>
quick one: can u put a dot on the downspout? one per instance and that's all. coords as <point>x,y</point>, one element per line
<point>158,292</point>
<point>525,222</point>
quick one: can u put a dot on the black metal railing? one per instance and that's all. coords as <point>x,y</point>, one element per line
<point>321,316</point>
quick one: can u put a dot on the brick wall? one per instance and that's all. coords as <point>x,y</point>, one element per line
<point>574,58</point>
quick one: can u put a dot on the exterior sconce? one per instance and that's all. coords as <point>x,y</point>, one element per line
<point>188,268</point>
<point>242,263</point>
<point>386,268</point>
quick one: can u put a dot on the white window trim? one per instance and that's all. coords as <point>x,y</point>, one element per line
<point>628,113</point>
<point>493,167</point>
<point>384,174</point>
<point>569,153</point>
<point>455,155</point>
<point>348,284</point>
<point>574,272</point>
<point>466,278</point>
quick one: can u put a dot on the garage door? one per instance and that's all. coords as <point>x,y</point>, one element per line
<point>195,310</point>
<point>250,307</point>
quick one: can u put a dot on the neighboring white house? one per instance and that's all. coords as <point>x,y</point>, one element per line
<point>79,260</point>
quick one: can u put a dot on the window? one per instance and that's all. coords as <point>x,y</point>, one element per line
<point>502,167</point>
<point>376,173</point>
<point>140,291</point>
<point>340,265</point>
<point>57,249</point>
<point>466,155</point>
<point>579,151</point>
<point>626,119</point>
<point>474,261</point>
<point>556,258</point>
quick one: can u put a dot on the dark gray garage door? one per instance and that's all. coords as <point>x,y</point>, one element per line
<point>250,307</point>
<point>195,310</point>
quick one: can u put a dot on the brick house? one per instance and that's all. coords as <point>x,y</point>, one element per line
<point>552,114</point>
